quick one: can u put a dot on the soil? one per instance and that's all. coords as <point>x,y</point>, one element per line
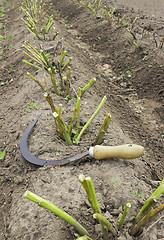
<point>134,85</point>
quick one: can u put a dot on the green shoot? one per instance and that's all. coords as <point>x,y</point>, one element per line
<point>133,23</point>
<point>68,81</point>
<point>74,115</point>
<point>125,212</point>
<point>41,202</point>
<point>2,154</point>
<point>91,118</point>
<point>88,85</point>
<point>59,127</point>
<point>31,106</point>
<point>53,81</point>
<point>103,220</point>
<point>51,103</point>
<point>35,80</point>
<point>103,129</point>
<point>88,186</point>
<point>64,128</point>
<point>151,202</point>
<point>148,216</point>
<point>137,46</point>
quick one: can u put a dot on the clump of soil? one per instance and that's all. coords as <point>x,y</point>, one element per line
<point>133,84</point>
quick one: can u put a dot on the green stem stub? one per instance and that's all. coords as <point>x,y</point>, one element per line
<point>56,210</point>
<point>141,223</point>
<point>151,202</point>
<point>88,186</point>
<point>103,220</point>
<point>91,118</point>
<point>125,212</point>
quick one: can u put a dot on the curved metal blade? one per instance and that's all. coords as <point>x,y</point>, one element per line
<point>38,161</point>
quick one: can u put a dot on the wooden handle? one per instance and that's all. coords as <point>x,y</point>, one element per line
<point>127,151</point>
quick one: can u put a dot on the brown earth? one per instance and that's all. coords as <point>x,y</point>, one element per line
<point>134,100</point>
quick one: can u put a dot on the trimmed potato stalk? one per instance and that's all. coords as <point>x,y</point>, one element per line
<point>32,65</point>
<point>59,127</point>
<point>88,186</point>
<point>103,129</point>
<point>41,202</point>
<point>53,81</point>
<point>50,101</point>
<point>62,57</point>
<point>63,127</point>
<point>146,218</point>
<point>66,64</point>
<point>88,85</point>
<point>125,212</point>
<point>74,115</point>
<point>78,110</point>
<point>91,119</point>
<point>34,59</point>
<point>103,219</point>
<point>39,83</point>
<point>48,64</point>
<point>151,202</point>
<point>68,83</point>
<point>37,53</point>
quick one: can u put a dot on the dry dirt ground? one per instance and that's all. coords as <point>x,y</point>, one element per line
<point>134,86</point>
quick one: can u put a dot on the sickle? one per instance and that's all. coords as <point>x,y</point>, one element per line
<point>125,151</point>
<point>38,161</point>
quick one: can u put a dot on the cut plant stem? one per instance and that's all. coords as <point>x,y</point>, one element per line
<point>88,186</point>
<point>133,34</point>
<point>63,56</point>
<point>66,64</point>
<point>74,115</point>
<point>32,65</point>
<point>83,181</point>
<point>39,83</point>
<point>41,202</point>
<point>78,111</point>
<point>35,53</point>
<point>48,64</point>
<point>34,59</point>
<point>53,81</point>
<point>59,127</point>
<point>91,82</point>
<point>92,117</point>
<point>103,129</point>
<point>103,219</point>
<point>122,19</point>
<point>63,127</point>
<point>134,21</point>
<point>50,101</point>
<point>68,81</point>
<point>146,218</point>
<point>125,212</point>
<point>151,202</point>
<point>92,196</point>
